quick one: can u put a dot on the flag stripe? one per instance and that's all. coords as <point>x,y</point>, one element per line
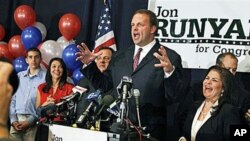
<point>105,38</point>
<point>109,43</point>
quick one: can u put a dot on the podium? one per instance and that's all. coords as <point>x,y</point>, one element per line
<point>66,133</point>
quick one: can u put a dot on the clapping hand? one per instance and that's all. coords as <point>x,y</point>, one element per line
<point>49,100</point>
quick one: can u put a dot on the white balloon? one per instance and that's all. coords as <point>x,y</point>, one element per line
<point>42,29</point>
<point>64,42</point>
<point>49,50</point>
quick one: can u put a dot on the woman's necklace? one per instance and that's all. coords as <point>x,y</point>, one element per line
<point>206,108</point>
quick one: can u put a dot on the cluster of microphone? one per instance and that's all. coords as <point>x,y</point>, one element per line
<point>117,108</point>
<point>93,111</point>
<point>65,108</point>
<point>99,104</point>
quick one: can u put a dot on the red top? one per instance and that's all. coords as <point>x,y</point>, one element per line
<point>60,92</point>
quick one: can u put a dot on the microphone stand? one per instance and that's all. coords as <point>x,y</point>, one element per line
<point>83,118</point>
<point>122,126</point>
<point>123,103</point>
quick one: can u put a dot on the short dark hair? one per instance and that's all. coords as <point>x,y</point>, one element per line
<point>108,48</point>
<point>35,50</point>
<point>220,58</point>
<point>152,17</point>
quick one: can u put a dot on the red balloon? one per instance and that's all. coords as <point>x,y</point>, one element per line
<point>16,47</point>
<point>4,52</point>
<point>24,16</point>
<point>69,25</point>
<point>2,32</point>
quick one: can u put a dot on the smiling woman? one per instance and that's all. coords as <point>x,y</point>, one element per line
<point>211,119</point>
<point>51,92</point>
<point>212,86</point>
<point>56,85</point>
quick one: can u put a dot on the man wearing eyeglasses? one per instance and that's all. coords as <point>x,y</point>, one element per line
<point>102,63</point>
<point>103,60</point>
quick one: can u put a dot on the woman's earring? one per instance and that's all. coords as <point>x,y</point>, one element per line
<point>222,93</point>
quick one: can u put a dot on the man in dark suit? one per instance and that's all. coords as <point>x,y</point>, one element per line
<point>158,76</point>
<point>102,63</point>
<point>242,97</point>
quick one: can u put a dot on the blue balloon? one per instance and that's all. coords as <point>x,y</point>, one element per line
<point>69,57</point>
<point>77,75</point>
<point>20,64</point>
<point>31,37</point>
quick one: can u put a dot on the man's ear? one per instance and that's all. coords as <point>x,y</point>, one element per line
<point>26,59</point>
<point>153,29</point>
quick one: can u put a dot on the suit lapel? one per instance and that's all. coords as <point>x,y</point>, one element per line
<point>147,58</point>
<point>129,58</point>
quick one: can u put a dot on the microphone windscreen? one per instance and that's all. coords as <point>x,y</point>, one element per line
<point>136,92</point>
<point>107,100</point>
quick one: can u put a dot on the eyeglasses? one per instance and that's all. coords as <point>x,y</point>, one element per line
<point>105,58</point>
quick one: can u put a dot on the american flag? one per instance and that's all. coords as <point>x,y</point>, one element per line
<point>105,34</point>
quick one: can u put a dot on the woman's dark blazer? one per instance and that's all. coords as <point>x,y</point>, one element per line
<point>217,127</point>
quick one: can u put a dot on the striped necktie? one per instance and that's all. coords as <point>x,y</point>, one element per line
<point>137,58</point>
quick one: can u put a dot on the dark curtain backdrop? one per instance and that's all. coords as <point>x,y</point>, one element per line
<point>49,12</point>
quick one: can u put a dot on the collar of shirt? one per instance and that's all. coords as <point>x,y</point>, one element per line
<point>27,73</point>
<point>145,49</point>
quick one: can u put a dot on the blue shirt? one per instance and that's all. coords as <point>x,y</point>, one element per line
<point>24,100</point>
